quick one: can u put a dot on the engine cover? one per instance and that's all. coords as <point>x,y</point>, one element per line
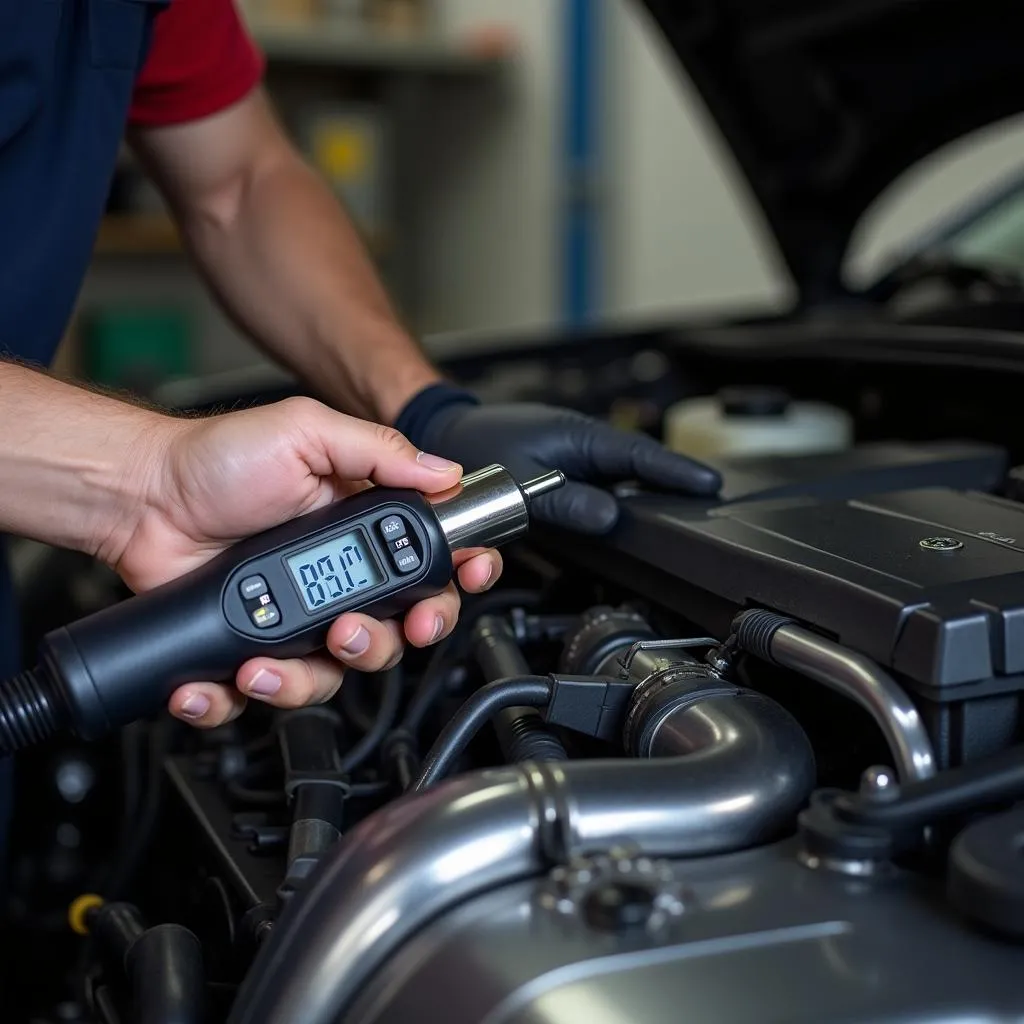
<point>899,552</point>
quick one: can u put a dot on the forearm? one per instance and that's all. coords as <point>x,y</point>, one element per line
<point>288,264</point>
<point>75,466</point>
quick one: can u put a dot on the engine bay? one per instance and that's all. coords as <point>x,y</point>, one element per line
<point>756,755</point>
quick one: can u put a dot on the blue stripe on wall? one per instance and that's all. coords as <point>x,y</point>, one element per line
<point>581,242</point>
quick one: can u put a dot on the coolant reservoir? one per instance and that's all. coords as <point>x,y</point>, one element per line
<point>755,421</point>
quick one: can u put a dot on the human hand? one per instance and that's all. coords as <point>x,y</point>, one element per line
<point>221,479</point>
<point>529,439</point>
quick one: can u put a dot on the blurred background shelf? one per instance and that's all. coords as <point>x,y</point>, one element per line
<point>155,234</point>
<point>353,48</point>
<point>137,234</point>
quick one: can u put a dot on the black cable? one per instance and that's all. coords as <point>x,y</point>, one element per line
<point>387,714</point>
<point>431,685</point>
<point>123,872</point>
<point>351,704</point>
<point>522,691</point>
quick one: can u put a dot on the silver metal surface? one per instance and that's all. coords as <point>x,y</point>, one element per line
<point>543,484</point>
<point>762,941</point>
<point>864,867</point>
<point>489,507</point>
<point>423,855</point>
<point>879,783</point>
<point>568,886</point>
<point>662,645</point>
<point>941,544</point>
<point>860,679</point>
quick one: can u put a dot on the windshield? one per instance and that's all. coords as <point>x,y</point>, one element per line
<point>995,237</point>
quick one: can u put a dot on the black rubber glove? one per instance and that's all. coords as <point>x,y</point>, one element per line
<point>529,440</point>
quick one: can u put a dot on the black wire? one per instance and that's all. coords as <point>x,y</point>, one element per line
<point>351,704</point>
<point>387,713</point>
<point>124,869</point>
<point>428,692</point>
<point>521,691</point>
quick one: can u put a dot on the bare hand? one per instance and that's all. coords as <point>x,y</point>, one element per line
<point>227,477</point>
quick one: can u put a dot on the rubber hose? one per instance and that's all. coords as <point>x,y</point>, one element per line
<point>523,691</point>
<point>165,964</point>
<point>522,734</point>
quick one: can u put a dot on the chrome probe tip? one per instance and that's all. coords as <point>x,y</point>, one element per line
<point>543,484</point>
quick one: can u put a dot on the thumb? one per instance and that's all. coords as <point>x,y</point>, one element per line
<point>355,449</point>
<point>579,507</point>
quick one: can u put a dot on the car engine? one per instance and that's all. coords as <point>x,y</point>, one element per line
<point>752,759</point>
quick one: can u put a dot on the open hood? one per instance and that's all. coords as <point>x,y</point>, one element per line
<point>826,102</point>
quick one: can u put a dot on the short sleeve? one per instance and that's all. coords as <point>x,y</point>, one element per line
<point>201,60</point>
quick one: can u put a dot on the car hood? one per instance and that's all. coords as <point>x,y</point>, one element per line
<point>825,102</point>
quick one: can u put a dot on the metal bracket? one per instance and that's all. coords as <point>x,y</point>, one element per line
<point>665,645</point>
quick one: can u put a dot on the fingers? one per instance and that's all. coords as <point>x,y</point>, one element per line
<point>355,449</point>
<point>206,705</point>
<point>619,455</point>
<point>478,569</point>
<point>579,507</point>
<point>366,644</point>
<point>294,683</point>
<point>433,619</point>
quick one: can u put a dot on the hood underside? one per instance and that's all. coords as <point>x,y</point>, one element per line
<point>825,102</point>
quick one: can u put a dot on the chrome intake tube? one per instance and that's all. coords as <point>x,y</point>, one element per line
<point>719,769</point>
<point>783,642</point>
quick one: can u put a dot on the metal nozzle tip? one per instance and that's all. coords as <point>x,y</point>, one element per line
<point>542,484</point>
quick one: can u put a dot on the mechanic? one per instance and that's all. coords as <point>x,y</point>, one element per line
<point>153,495</point>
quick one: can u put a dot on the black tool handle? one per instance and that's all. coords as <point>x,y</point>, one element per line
<point>123,662</point>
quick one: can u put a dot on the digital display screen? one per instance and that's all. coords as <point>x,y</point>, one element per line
<point>333,570</point>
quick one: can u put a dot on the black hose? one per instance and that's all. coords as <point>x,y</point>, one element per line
<point>522,734</point>
<point>350,701</point>
<point>387,713</point>
<point>432,682</point>
<point>522,691</point>
<point>165,964</point>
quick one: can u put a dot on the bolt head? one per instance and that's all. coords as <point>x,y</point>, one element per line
<point>941,544</point>
<point>879,783</point>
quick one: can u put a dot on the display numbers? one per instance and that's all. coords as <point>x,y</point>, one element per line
<point>324,583</point>
<point>329,572</point>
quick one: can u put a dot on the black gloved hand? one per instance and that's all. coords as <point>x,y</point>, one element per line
<point>531,439</point>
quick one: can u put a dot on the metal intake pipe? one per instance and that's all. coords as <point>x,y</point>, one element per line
<point>733,769</point>
<point>781,641</point>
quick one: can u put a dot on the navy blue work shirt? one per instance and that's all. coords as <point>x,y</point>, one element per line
<point>72,75</point>
<point>67,72</point>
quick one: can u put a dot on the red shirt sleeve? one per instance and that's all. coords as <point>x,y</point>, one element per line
<point>201,60</point>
